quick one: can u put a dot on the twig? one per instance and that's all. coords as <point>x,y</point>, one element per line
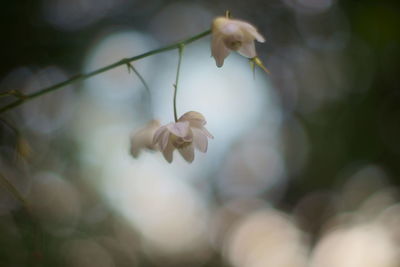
<point>81,77</point>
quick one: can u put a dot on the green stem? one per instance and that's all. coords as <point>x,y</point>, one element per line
<point>81,77</point>
<point>142,80</point>
<point>14,93</point>
<point>181,48</point>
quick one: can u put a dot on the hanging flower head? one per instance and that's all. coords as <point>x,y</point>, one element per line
<point>143,138</point>
<point>233,35</point>
<point>184,135</point>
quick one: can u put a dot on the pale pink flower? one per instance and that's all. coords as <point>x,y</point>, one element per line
<point>184,135</point>
<point>143,138</point>
<point>233,35</point>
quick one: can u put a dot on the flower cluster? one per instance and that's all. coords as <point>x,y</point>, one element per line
<point>233,35</point>
<point>184,135</point>
<point>188,132</point>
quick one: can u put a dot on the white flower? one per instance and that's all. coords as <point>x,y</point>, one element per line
<point>143,138</point>
<point>184,135</point>
<point>230,34</point>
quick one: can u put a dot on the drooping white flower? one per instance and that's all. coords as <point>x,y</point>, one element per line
<point>143,138</point>
<point>184,135</point>
<point>233,35</point>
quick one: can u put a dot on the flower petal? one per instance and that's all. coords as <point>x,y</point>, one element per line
<point>206,132</point>
<point>250,29</point>
<point>187,152</point>
<point>143,138</point>
<point>230,27</point>
<point>200,140</point>
<point>191,115</point>
<point>180,129</point>
<point>194,118</point>
<point>248,49</point>
<point>138,142</point>
<point>164,140</point>
<point>168,152</point>
<point>135,146</point>
<point>258,36</point>
<point>218,50</point>
<point>158,133</point>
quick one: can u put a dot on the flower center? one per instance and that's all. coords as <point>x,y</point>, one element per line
<point>234,45</point>
<point>178,142</point>
<point>233,42</point>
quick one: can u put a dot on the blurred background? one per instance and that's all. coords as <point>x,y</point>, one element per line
<point>303,170</point>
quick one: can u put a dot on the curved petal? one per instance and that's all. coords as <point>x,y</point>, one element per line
<point>206,132</point>
<point>143,138</point>
<point>248,49</point>
<point>230,27</point>
<point>138,142</point>
<point>194,118</point>
<point>164,140</point>
<point>191,115</point>
<point>168,152</point>
<point>136,145</point>
<point>217,24</point>
<point>200,140</point>
<point>149,132</point>
<point>218,50</point>
<point>187,153</point>
<point>258,36</point>
<point>196,123</point>
<point>180,129</point>
<point>250,29</point>
<point>157,134</point>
